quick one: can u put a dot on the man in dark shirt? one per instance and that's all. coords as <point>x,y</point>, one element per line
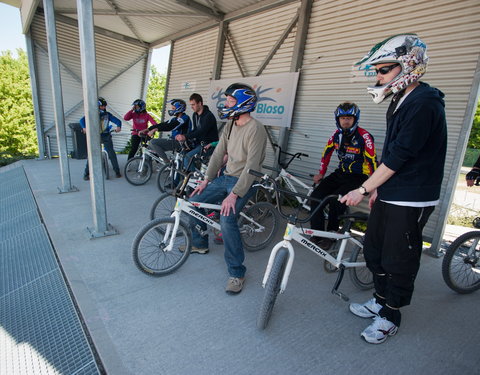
<point>204,128</point>
<point>406,186</point>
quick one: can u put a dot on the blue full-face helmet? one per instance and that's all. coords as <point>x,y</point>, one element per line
<point>246,101</point>
<point>180,107</point>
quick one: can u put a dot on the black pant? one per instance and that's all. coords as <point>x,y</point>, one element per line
<point>134,142</point>
<point>392,248</point>
<point>106,140</point>
<point>338,183</point>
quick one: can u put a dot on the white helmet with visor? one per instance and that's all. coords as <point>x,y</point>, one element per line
<point>406,50</point>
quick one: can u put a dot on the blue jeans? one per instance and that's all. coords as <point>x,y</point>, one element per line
<point>214,193</point>
<point>188,156</point>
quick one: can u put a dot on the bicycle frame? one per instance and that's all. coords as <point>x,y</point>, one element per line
<point>189,208</point>
<point>294,233</point>
<point>288,178</point>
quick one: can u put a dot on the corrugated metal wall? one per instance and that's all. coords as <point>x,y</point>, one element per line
<point>449,28</point>
<point>120,71</point>
<point>191,69</point>
<point>252,39</point>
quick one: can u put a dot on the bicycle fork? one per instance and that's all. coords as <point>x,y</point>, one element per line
<point>287,237</point>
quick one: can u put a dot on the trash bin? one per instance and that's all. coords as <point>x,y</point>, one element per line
<point>79,141</point>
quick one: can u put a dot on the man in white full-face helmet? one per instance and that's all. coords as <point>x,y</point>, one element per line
<point>406,186</point>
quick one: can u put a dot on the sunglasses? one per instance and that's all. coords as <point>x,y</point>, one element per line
<point>386,69</point>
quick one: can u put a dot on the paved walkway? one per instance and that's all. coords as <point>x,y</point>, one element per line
<point>184,323</point>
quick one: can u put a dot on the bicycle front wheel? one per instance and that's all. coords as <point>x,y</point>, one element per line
<point>150,247</point>
<point>272,288</point>
<point>137,171</point>
<point>259,227</point>
<point>461,264</point>
<point>361,277</point>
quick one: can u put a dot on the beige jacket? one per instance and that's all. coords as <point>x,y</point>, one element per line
<point>245,146</point>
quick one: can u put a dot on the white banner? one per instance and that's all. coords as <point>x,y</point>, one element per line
<point>275,93</point>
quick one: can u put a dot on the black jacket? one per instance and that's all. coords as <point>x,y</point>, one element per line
<point>204,127</point>
<point>415,147</point>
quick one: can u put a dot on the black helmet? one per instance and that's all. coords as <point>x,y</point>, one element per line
<point>102,102</point>
<point>141,105</point>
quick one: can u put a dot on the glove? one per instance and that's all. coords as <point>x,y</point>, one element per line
<point>473,174</point>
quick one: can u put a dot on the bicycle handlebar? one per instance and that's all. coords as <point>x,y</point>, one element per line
<point>297,155</point>
<point>278,189</point>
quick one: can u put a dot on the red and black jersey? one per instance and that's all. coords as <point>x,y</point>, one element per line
<point>356,152</point>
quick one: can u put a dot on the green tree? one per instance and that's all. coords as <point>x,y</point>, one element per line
<point>155,92</point>
<point>17,122</point>
<point>474,140</point>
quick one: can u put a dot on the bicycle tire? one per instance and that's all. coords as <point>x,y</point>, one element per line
<point>461,263</point>
<point>262,195</point>
<point>149,243</point>
<point>272,288</point>
<point>163,206</point>
<point>133,175</point>
<point>106,170</point>
<point>361,277</point>
<point>264,214</point>
<point>165,180</point>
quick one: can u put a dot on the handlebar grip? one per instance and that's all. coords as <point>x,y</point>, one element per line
<point>306,155</point>
<point>255,173</point>
<point>270,168</point>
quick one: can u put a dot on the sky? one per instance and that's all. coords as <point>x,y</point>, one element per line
<point>12,37</point>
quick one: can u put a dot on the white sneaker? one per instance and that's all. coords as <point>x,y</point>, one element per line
<point>379,330</point>
<point>369,309</point>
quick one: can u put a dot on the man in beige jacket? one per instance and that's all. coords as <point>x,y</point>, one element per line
<point>244,141</point>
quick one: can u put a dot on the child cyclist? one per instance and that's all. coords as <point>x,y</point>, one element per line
<point>140,118</point>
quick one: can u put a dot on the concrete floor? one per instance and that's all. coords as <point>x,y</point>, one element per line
<point>184,323</point>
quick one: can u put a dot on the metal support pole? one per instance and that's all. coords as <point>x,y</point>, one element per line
<point>219,50</point>
<point>167,81</point>
<point>57,97</point>
<point>92,119</point>
<point>461,146</point>
<point>35,95</point>
<point>146,76</point>
<point>297,58</point>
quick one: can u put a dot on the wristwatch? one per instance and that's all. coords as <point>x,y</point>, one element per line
<point>363,191</point>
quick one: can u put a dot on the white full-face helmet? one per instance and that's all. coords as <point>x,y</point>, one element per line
<point>407,50</point>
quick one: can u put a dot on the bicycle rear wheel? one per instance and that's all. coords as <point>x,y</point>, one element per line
<point>106,170</point>
<point>165,179</point>
<point>254,237</point>
<point>163,206</point>
<point>272,288</point>
<point>149,247</point>
<point>137,171</point>
<point>361,277</point>
<point>461,264</point>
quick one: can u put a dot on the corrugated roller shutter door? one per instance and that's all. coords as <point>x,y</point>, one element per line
<point>115,59</point>
<point>451,32</point>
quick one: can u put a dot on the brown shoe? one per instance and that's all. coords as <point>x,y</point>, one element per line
<point>235,285</point>
<point>194,249</point>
